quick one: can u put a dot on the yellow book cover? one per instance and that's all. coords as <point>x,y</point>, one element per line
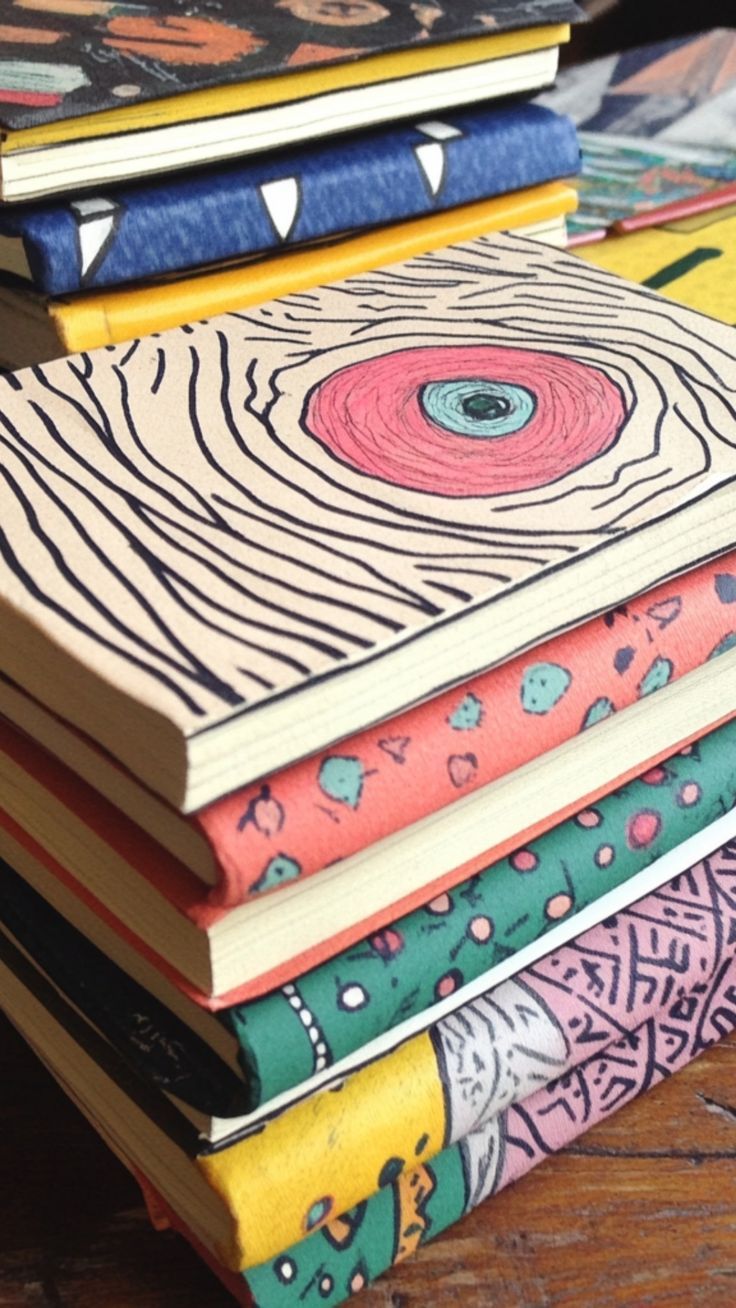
<point>84,322</point>
<point>691,260</point>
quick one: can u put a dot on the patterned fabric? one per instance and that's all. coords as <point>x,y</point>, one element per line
<point>423,957</point>
<point>338,802</point>
<point>337,1261</point>
<point>62,58</point>
<point>680,91</point>
<point>664,958</point>
<point>671,111</point>
<point>618,181</point>
<point>264,203</point>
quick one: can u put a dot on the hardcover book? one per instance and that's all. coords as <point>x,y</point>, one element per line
<point>106,92</point>
<point>86,56</point>
<point>34,328</point>
<point>265,203</point>
<point>690,259</point>
<point>258,1199</point>
<point>229,1071</point>
<point>348,799</point>
<point>657,124</point>
<point>225,548</point>
<point>220,956</point>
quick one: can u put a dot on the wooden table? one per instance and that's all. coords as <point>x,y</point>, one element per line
<point>642,1212</point>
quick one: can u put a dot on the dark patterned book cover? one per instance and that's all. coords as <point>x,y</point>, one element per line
<point>63,58</point>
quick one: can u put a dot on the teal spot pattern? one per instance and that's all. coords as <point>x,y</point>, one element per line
<point>341,778</point>
<point>728,642</point>
<point>468,714</point>
<point>655,677</point>
<point>543,686</point>
<point>600,709</point>
<point>277,872</point>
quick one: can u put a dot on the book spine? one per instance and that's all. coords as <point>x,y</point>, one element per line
<point>387,778</point>
<point>306,195</point>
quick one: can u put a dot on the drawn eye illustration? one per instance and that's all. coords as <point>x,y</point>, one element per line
<point>477,408</point>
<point>466,420</point>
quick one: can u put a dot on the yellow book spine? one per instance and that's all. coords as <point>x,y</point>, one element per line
<point>313,1162</point>
<point>110,317</point>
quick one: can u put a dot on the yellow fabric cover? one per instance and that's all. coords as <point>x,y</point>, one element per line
<point>329,1152</point>
<point>109,317</point>
<point>691,260</point>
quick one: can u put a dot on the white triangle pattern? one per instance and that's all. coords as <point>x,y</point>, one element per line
<point>438,131</point>
<point>96,219</point>
<point>281,198</point>
<point>431,159</point>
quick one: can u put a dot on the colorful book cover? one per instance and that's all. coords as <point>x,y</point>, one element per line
<point>668,961</point>
<point>350,1251</point>
<point>335,803</point>
<point>692,260</point>
<point>618,181</point>
<point>657,124</point>
<point>264,203</point>
<point>399,1112</point>
<point>678,92</point>
<point>66,58</point>
<point>361,494</point>
<point>405,971</point>
<point>86,321</point>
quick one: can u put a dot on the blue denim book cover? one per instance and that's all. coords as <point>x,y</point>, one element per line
<point>181,222</point>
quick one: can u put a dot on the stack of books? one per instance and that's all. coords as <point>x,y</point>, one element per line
<point>166,162</point>
<point>657,127</point>
<point>368,739</point>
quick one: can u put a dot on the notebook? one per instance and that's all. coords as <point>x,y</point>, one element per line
<point>214,1194</point>
<point>34,328</point>
<point>172,224</point>
<point>334,804</point>
<point>227,1072</point>
<point>227,547</point>
<point>101,94</point>
<point>690,259</point>
<point>221,956</point>
<point>657,124</point>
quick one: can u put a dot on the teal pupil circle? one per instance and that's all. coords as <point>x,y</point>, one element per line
<point>477,407</point>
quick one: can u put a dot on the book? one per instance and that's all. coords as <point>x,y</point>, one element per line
<point>677,92</point>
<point>188,220</point>
<point>127,94</point>
<point>221,956</point>
<point>167,52</point>
<point>335,804</point>
<point>621,182</point>
<point>212,567</point>
<point>690,259</point>
<point>657,124</point>
<point>34,329</point>
<point>214,1197</point>
<point>228,1072</point>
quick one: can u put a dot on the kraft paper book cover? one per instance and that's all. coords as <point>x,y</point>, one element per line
<point>228,546</point>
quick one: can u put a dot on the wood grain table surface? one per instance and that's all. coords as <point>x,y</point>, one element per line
<point>642,1211</point>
